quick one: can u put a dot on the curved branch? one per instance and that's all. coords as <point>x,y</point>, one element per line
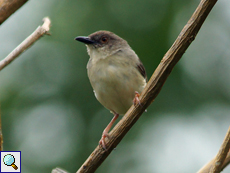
<point>220,157</point>
<point>221,160</point>
<point>153,87</point>
<point>40,31</point>
<point>226,161</point>
<point>9,7</point>
<point>206,168</point>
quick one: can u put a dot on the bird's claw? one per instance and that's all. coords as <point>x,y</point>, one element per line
<point>136,99</point>
<point>106,131</point>
<point>102,140</point>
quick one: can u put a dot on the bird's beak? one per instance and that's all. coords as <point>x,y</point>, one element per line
<point>85,40</point>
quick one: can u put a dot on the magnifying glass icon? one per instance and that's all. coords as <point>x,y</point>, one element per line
<point>9,160</point>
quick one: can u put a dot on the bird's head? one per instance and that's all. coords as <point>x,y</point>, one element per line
<point>104,43</point>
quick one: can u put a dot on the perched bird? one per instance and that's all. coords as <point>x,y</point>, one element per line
<point>115,72</point>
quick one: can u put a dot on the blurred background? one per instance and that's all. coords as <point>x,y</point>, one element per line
<point>48,108</point>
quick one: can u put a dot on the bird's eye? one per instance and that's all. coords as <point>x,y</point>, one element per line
<point>104,39</point>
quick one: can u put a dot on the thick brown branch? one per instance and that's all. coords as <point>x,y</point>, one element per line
<point>40,31</point>
<point>8,7</point>
<point>221,160</point>
<point>153,87</point>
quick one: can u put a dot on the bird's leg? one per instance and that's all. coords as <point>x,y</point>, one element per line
<point>106,131</point>
<point>136,99</point>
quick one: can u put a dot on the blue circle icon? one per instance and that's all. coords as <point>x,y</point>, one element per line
<point>9,160</point>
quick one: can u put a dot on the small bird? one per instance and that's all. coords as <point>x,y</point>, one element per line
<point>115,72</point>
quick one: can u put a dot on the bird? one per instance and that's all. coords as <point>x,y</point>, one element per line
<point>115,72</point>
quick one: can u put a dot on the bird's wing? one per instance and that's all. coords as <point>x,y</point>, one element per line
<point>141,69</point>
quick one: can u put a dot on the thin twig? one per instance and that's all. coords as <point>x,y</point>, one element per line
<point>221,160</point>
<point>9,7</point>
<point>39,32</point>
<point>58,170</point>
<point>153,87</point>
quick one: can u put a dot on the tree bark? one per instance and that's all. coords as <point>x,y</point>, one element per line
<point>8,7</point>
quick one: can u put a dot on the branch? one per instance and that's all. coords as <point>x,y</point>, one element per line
<point>221,160</point>
<point>58,170</point>
<point>226,161</point>
<point>9,7</point>
<point>224,149</point>
<point>40,31</point>
<point>153,87</point>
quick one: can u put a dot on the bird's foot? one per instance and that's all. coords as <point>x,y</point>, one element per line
<point>102,140</point>
<point>136,99</point>
<point>106,131</point>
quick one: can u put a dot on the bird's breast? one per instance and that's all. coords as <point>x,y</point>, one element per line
<point>115,85</point>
